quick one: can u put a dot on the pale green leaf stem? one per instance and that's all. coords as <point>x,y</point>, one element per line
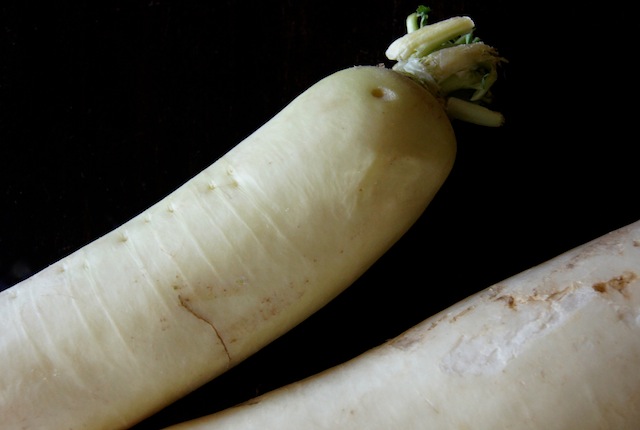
<point>447,59</point>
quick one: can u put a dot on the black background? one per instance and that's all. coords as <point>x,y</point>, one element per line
<point>107,106</point>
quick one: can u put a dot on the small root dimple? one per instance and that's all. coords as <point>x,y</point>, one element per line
<point>382,93</point>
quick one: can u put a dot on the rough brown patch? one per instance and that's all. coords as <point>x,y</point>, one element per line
<point>618,283</point>
<point>509,300</point>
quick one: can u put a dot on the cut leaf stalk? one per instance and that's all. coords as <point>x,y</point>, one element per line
<point>449,61</point>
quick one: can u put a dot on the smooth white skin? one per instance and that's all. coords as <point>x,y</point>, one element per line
<point>233,259</point>
<point>556,347</point>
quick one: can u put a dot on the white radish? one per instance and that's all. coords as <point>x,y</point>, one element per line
<point>556,347</point>
<point>230,261</point>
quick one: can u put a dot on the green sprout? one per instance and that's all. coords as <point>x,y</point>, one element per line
<point>418,19</point>
<point>423,13</point>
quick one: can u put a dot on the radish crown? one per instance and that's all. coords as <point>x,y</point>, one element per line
<point>452,63</point>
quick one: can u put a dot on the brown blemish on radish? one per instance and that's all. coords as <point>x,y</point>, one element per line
<point>509,300</point>
<point>619,284</point>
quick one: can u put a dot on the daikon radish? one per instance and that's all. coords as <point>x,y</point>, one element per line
<point>230,261</point>
<point>556,347</point>
<point>233,259</point>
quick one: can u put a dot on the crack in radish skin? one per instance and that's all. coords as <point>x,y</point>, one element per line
<point>184,303</point>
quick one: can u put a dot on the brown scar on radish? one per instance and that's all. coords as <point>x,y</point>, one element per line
<point>618,283</point>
